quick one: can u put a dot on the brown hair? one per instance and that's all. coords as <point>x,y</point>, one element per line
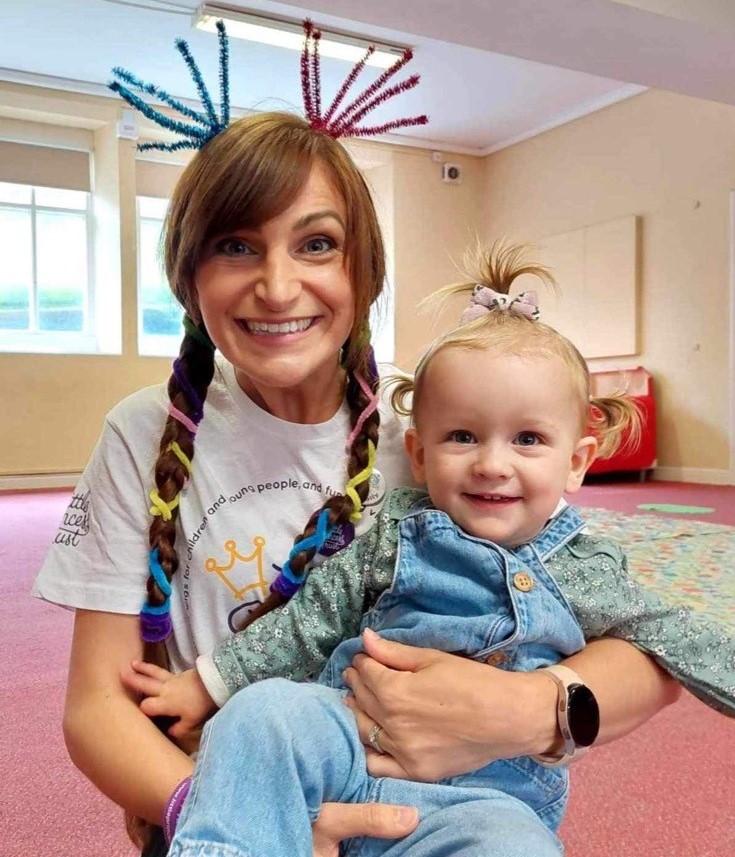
<point>611,418</point>
<point>246,175</point>
<point>252,172</point>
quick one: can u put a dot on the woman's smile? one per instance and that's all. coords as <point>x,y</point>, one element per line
<point>271,328</point>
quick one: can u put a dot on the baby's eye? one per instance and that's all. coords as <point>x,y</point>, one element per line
<point>462,436</point>
<point>319,244</point>
<point>232,247</point>
<point>527,438</point>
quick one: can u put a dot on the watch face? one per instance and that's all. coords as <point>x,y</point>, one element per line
<point>583,715</point>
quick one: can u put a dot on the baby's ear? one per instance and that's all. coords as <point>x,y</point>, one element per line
<point>415,450</point>
<point>584,454</point>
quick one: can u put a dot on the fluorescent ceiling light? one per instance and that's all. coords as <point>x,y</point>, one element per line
<point>289,34</point>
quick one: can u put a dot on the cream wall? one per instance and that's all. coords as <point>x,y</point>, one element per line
<point>56,404</point>
<point>668,159</point>
<point>434,223</point>
<point>671,160</point>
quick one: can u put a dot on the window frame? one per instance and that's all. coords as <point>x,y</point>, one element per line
<point>150,344</point>
<point>38,341</point>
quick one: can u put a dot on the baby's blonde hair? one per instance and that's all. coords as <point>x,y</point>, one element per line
<point>505,331</point>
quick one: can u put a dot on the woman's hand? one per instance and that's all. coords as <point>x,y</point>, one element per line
<point>166,694</point>
<point>338,821</point>
<point>443,715</point>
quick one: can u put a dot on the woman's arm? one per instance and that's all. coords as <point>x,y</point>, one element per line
<point>444,715</point>
<point>108,738</point>
<point>629,685</point>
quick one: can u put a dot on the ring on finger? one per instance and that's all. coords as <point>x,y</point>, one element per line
<point>373,736</point>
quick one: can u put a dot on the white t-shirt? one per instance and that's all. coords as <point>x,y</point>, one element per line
<point>256,480</point>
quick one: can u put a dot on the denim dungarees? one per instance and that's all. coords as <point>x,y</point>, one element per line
<point>278,749</point>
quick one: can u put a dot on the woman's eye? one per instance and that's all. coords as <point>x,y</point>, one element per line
<point>232,247</point>
<point>462,436</point>
<point>527,438</point>
<point>320,244</point>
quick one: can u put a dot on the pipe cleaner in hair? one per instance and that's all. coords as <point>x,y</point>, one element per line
<point>155,621</point>
<point>287,582</point>
<point>347,122</point>
<point>204,125</point>
<point>371,407</point>
<point>199,332</point>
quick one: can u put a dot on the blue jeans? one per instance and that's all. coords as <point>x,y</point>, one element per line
<point>278,750</point>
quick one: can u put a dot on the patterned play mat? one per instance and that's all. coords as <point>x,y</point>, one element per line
<point>688,563</point>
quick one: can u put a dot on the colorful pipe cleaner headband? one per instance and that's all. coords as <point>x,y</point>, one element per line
<point>484,299</point>
<point>207,124</point>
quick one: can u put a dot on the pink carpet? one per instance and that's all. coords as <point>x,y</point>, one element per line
<point>666,791</point>
<point>627,496</point>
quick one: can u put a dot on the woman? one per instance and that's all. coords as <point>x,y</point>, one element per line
<point>272,246</point>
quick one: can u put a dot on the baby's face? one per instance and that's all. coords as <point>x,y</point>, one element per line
<point>497,441</point>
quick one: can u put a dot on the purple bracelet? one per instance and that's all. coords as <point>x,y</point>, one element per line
<point>172,810</point>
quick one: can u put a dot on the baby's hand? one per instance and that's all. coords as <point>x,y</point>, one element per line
<point>181,695</point>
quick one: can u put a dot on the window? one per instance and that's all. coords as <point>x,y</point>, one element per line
<point>159,313</point>
<point>45,246</point>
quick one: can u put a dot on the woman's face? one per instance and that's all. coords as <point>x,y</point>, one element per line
<point>277,299</point>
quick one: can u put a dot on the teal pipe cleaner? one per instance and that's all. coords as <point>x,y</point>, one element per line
<point>208,123</point>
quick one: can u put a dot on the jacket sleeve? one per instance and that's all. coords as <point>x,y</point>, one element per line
<point>295,640</point>
<point>700,654</point>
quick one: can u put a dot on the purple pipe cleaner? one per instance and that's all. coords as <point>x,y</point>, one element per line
<point>194,399</point>
<point>155,628</point>
<point>285,587</point>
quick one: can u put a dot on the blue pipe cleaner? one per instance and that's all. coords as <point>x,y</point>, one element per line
<point>288,582</point>
<point>155,621</point>
<point>157,573</point>
<point>193,137</point>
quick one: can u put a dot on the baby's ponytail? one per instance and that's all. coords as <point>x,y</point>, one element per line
<point>616,422</point>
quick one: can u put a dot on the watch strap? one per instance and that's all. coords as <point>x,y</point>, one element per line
<point>563,678</point>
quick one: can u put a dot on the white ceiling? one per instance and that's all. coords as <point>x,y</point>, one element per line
<point>493,71</point>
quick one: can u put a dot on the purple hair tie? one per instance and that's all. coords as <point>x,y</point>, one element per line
<point>185,384</point>
<point>155,628</point>
<point>285,587</point>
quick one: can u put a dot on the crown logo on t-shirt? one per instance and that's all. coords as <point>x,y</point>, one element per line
<point>233,569</point>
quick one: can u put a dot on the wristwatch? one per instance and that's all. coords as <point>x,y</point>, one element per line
<point>577,715</point>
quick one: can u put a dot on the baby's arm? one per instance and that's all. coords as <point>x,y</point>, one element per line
<point>295,640</point>
<point>696,651</point>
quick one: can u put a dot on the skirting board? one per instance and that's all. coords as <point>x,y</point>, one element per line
<point>39,481</point>
<point>698,475</point>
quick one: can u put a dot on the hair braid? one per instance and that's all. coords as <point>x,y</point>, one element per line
<point>195,368</point>
<point>341,507</point>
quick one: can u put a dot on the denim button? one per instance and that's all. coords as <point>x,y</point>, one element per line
<point>523,581</point>
<point>496,658</point>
